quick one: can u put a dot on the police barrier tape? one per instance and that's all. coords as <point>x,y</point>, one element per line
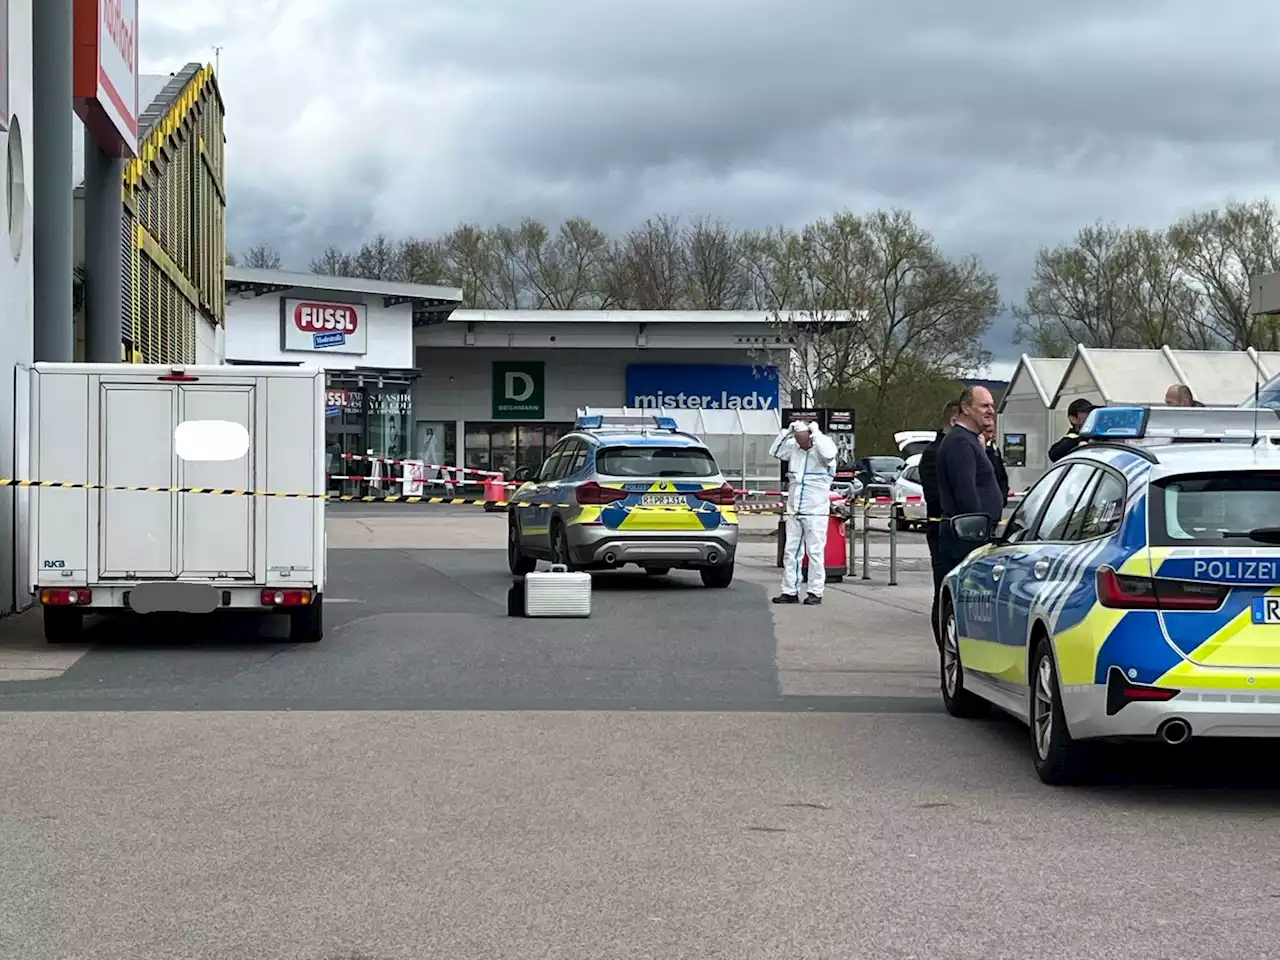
<point>766,508</point>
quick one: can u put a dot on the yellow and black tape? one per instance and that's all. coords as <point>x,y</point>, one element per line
<point>764,508</point>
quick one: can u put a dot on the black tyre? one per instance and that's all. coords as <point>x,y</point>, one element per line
<point>517,562</point>
<point>657,571</point>
<point>958,701</point>
<point>63,625</point>
<point>1060,759</point>
<point>560,546</point>
<point>717,577</point>
<point>306,625</point>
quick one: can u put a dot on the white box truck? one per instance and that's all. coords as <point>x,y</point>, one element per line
<point>233,428</point>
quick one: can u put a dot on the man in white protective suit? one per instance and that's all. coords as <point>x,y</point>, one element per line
<point>810,456</point>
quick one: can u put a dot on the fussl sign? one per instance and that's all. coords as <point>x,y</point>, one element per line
<point>106,72</point>
<point>320,327</point>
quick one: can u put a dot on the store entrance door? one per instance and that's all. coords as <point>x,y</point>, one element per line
<point>506,447</point>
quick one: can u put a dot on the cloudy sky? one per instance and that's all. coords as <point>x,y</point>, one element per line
<point>1003,125</point>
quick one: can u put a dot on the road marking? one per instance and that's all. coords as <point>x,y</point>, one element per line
<point>340,600</point>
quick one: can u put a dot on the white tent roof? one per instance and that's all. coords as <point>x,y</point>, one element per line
<point>1035,376</point>
<point>1216,376</point>
<point>1118,376</point>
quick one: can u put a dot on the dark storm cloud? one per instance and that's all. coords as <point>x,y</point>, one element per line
<point>1003,125</point>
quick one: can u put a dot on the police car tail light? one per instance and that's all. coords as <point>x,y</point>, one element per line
<point>1125,592</point>
<point>591,494</point>
<point>73,597</point>
<point>723,495</point>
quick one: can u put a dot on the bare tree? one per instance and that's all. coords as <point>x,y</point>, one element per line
<point>560,271</point>
<point>379,259</point>
<point>649,267</point>
<point>262,257</point>
<point>1220,250</point>
<point>425,261</point>
<point>468,249</point>
<point>333,263</point>
<point>716,276</point>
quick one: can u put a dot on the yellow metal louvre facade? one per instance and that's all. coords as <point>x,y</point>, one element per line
<point>174,224</point>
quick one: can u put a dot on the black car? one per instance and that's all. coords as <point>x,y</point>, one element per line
<point>878,471</point>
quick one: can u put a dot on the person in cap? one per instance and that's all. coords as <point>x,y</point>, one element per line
<point>1077,414</point>
<point>810,457</point>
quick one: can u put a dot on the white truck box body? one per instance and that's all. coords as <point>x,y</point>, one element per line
<point>114,424</point>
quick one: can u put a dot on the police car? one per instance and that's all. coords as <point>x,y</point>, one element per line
<point>1134,593</point>
<point>624,490</point>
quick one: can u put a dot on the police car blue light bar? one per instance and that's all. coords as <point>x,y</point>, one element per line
<point>592,422</point>
<point>640,420</point>
<point>666,423</point>
<point>1207,424</point>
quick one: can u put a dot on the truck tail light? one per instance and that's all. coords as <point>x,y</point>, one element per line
<point>591,494</point>
<point>723,495</point>
<point>66,597</point>
<point>286,598</point>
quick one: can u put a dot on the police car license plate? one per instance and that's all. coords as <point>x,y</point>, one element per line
<point>662,500</point>
<point>1266,610</point>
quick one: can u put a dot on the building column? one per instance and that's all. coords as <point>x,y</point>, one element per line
<point>53,251</point>
<point>103,252</point>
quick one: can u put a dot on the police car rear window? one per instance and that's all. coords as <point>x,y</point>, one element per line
<point>655,462</point>
<point>1213,507</point>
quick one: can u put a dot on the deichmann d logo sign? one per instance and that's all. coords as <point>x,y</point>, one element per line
<point>519,390</point>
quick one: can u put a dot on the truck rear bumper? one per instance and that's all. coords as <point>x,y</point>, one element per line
<point>237,596</point>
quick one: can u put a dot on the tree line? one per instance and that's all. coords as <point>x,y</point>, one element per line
<point>922,314</point>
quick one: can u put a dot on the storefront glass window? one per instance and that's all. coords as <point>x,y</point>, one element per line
<point>365,421</point>
<point>508,447</point>
<point>389,422</point>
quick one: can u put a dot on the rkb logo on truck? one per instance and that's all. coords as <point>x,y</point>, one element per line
<point>55,564</point>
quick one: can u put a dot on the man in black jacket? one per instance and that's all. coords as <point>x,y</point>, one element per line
<point>932,504</point>
<point>997,461</point>
<point>1077,414</point>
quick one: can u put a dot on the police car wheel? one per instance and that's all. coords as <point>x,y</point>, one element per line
<point>517,562</point>
<point>1060,759</point>
<point>560,546</point>
<point>717,577</point>
<point>958,701</point>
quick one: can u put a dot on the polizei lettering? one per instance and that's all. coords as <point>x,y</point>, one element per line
<point>1249,571</point>
<point>693,401</point>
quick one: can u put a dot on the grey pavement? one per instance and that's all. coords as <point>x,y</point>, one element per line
<point>687,774</point>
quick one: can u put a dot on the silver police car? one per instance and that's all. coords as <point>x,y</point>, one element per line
<point>626,490</point>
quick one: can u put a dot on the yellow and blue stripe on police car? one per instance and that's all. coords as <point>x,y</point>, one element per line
<point>659,506</point>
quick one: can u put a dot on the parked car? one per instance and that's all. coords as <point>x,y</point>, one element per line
<point>910,510</point>
<point>626,490</point>
<point>912,442</point>
<point>878,473</point>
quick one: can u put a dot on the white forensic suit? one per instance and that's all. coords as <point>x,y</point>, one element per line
<point>809,476</point>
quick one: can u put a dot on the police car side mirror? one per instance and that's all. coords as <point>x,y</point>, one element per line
<point>523,475</point>
<point>972,528</point>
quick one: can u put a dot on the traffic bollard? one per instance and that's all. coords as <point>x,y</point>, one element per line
<point>893,549</point>
<point>866,541</point>
<point>851,526</point>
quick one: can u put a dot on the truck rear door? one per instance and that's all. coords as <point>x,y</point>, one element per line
<point>157,535</point>
<point>217,530</point>
<point>138,529</point>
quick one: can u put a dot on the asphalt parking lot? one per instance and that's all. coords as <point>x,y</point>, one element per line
<point>687,773</point>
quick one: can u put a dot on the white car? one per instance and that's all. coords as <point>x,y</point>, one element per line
<point>909,510</point>
<point>912,442</point>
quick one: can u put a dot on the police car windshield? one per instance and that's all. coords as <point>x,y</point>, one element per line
<point>655,462</point>
<point>1268,397</point>
<point>1209,507</point>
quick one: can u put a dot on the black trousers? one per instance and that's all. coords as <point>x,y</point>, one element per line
<point>945,553</point>
<point>931,538</point>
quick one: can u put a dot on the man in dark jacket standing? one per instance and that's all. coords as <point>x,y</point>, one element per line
<point>997,461</point>
<point>1077,414</point>
<point>928,468</point>
<point>966,480</point>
